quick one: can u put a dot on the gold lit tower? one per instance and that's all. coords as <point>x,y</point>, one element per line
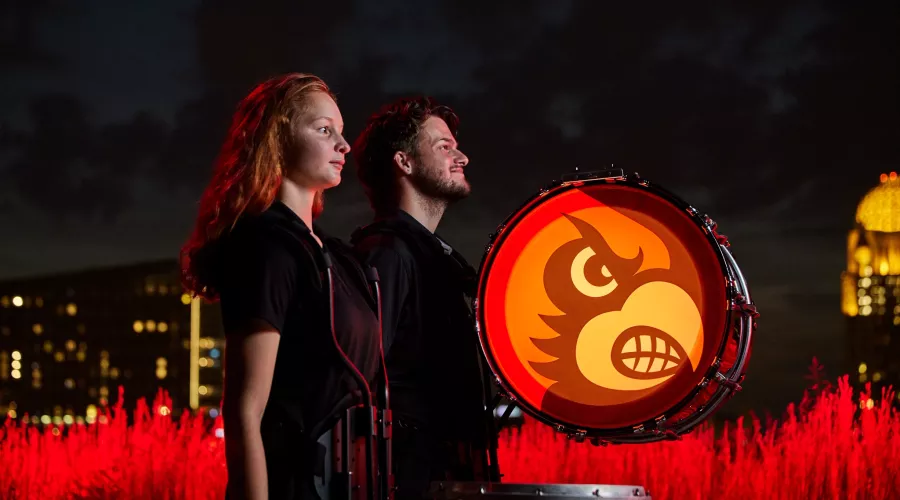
<point>870,287</point>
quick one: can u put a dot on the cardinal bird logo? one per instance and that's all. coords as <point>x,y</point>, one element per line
<point>618,338</point>
<point>595,309</point>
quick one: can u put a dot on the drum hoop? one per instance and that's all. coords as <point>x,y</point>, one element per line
<point>736,293</point>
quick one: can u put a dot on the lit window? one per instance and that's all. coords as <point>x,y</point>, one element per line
<point>80,356</point>
<point>68,420</point>
<point>59,356</point>
<point>162,327</point>
<point>104,363</point>
<point>70,345</point>
<point>114,373</point>
<point>870,404</point>
<point>161,362</point>
<point>160,373</point>
<point>71,309</point>
<point>69,383</point>
<point>876,377</point>
<point>863,378</point>
<point>16,355</point>
<point>45,419</point>
<point>104,391</point>
<point>214,353</point>
<point>863,368</point>
<point>203,390</point>
<point>17,365</point>
<point>48,346</point>
<point>138,326</point>
<point>865,310</point>
<point>37,328</point>
<point>185,299</point>
<point>896,320</point>
<point>16,374</point>
<point>164,410</point>
<point>17,301</point>
<point>151,325</point>
<point>867,271</point>
<point>203,362</point>
<point>11,414</point>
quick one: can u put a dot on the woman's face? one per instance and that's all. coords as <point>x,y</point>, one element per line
<point>319,146</point>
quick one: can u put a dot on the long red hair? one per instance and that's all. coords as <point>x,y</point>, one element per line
<point>249,168</point>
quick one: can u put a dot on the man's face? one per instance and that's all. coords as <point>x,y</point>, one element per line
<point>439,167</point>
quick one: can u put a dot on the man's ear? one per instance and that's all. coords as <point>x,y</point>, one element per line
<point>402,162</point>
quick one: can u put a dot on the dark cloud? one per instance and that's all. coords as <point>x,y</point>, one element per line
<point>19,46</point>
<point>68,167</point>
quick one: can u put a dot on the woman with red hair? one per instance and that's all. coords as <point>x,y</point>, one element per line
<point>301,327</point>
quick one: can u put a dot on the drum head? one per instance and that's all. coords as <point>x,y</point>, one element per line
<point>602,305</point>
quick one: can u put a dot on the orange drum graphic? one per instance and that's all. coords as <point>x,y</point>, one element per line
<point>603,305</point>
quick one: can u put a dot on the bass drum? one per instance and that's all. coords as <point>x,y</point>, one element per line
<point>613,311</point>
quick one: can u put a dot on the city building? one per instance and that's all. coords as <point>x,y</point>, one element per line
<point>870,288</point>
<point>69,341</point>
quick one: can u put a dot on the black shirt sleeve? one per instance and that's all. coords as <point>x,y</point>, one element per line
<point>258,282</point>
<point>394,273</point>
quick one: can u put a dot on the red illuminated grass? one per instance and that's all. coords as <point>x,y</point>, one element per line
<point>827,447</point>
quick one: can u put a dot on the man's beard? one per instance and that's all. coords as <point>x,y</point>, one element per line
<point>430,183</point>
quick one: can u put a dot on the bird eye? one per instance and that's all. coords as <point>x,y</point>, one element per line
<point>580,280</point>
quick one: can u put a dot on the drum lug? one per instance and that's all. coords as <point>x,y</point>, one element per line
<point>640,180</point>
<point>730,384</point>
<point>599,442</point>
<point>741,305</point>
<point>667,434</point>
<point>711,225</point>
<point>578,436</point>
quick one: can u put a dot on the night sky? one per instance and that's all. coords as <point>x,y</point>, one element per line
<point>773,117</point>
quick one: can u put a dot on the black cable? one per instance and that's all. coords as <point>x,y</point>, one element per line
<point>386,420</point>
<point>360,379</point>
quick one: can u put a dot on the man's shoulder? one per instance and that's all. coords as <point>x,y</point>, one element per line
<point>383,245</point>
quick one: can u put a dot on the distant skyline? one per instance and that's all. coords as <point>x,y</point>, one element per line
<point>774,118</point>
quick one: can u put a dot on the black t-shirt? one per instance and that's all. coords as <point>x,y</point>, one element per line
<point>431,347</point>
<point>270,269</point>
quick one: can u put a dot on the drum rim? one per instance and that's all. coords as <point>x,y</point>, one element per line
<point>725,263</point>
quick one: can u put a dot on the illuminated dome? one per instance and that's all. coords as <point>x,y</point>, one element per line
<point>879,209</point>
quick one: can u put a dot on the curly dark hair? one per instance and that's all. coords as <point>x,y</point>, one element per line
<point>395,127</point>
